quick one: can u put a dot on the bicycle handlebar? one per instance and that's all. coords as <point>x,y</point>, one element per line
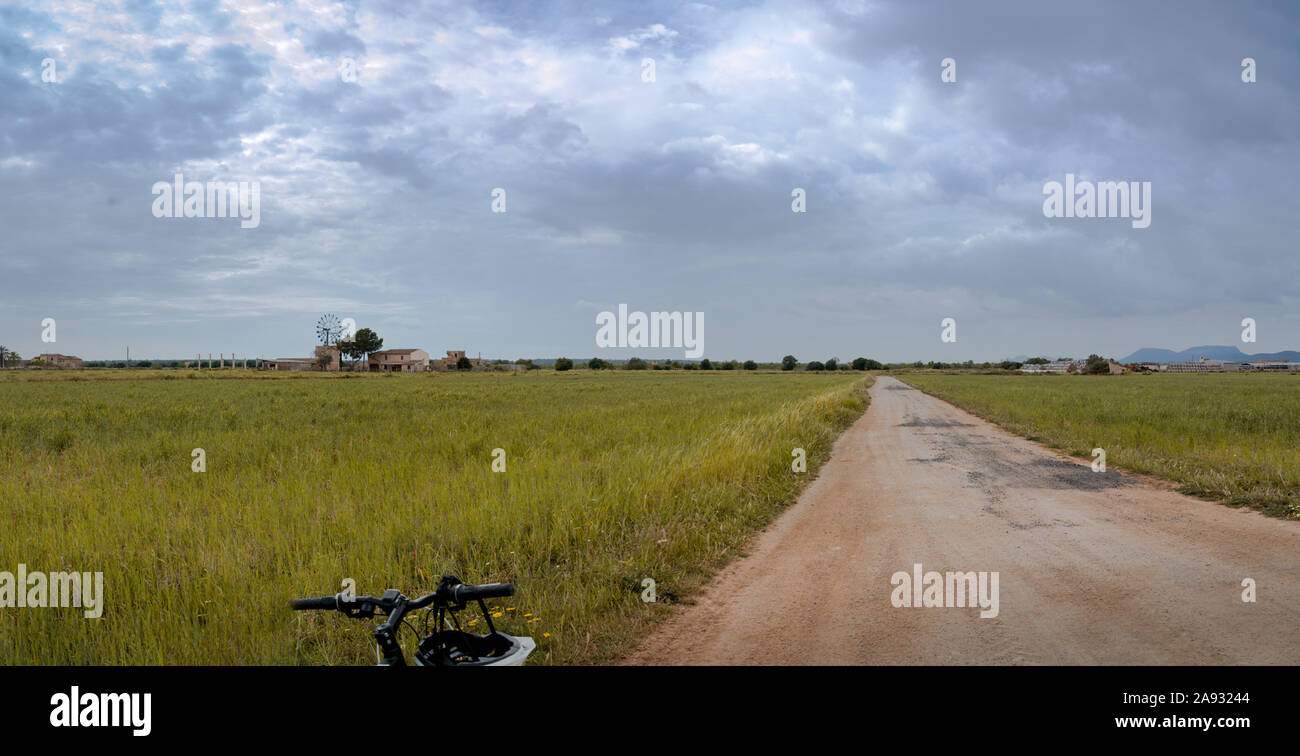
<point>457,593</point>
<point>451,595</point>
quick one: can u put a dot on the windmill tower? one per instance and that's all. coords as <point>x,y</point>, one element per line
<point>328,329</point>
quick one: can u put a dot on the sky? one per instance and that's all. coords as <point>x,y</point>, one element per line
<point>377,133</point>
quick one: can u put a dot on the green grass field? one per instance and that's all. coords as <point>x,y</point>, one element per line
<point>1228,437</point>
<point>610,478</point>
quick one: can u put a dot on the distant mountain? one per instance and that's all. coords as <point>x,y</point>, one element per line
<point>1225,353</point>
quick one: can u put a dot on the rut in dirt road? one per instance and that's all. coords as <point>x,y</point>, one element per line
<point>1094,568</point>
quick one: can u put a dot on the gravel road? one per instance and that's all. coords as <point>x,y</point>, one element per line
<point>1093,568</point>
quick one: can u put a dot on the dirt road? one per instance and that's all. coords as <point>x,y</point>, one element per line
<point>1094,568</point>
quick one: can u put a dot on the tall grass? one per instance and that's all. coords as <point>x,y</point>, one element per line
<point>610,479</point>
<point>1228,437</point>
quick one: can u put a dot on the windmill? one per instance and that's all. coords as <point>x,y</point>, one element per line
<point>328,329</point>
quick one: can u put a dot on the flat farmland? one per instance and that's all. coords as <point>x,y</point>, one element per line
<point>1231,437</point>
<point>610,478</point>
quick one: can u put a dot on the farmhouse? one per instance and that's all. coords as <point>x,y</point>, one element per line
<point>61,361</point>
<point>399,361</point>
<point>455,355</point>
<point>308,363</point>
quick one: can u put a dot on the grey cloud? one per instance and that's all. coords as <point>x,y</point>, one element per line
<point>923,198</point>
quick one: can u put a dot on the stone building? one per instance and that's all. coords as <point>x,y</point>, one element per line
<point>309,363</point>
<point>61,361</point>
<point>454,356</point>
<point>399,361</point>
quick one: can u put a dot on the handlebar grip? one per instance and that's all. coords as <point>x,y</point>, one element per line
<point>324,602</point>
<point>464,592</point>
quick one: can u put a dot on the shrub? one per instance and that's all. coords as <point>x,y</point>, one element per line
<point>564,363</point>
<point>705,364</point>
<point>751,365</point>
<point>596,363</point>
<point>814,365</point>
<point>636,363</point>
<point>788,362</point>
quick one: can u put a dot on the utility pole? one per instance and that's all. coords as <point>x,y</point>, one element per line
<point>128,357</point>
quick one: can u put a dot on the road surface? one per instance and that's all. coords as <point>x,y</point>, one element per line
<point>1093,568</point>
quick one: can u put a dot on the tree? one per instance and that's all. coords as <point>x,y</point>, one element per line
<point>324,361</point>
<point>1096,365</point>
<point>366,342</point>
<point>348,348</point>
<point>814,365</point>
<point>788,362</point>
<point>463,363</point>
<point>832,364</point>
<point>596,363</point>
<point>636,363</point>
<point>1036,361</point>
<point>705,364</point>
<point>564,363</point>
<point>751,365</point>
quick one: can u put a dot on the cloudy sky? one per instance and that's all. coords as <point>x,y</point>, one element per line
<point>924,197</point>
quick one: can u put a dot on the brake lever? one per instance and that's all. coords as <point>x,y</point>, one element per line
<point>365,607</point>
<point>363,610</point>
<point>357,607</point>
